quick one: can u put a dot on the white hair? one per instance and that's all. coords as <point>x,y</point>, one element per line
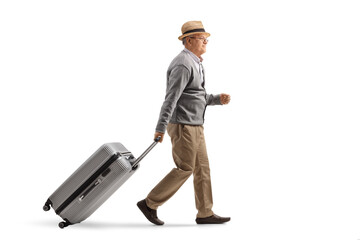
<point>184,41</point>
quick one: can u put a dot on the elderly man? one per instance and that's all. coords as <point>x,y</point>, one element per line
<point>182,114</point>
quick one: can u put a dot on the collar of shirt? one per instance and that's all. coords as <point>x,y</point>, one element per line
<point>193,56</point>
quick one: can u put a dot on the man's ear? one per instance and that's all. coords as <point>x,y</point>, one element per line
<point>188,41</point>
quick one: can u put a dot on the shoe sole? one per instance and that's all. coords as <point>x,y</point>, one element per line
<point>220,222</point>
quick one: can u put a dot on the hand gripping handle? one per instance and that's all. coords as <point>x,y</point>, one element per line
<point>135,165</point>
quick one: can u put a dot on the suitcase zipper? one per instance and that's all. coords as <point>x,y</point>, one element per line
<point>90,189</point>
<point>87,183</point>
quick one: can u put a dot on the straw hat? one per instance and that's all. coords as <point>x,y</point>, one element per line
<point>191,28</point>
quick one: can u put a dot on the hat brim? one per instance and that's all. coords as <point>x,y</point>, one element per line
<point>189,34</point>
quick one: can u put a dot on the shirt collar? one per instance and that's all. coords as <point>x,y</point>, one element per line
<point>193,56</point>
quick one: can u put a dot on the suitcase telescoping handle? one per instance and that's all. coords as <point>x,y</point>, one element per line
<point>135,165</point>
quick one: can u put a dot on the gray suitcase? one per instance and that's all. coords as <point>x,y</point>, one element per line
<point>94,182</point>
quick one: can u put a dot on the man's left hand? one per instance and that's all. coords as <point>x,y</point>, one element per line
<point>225,98</point>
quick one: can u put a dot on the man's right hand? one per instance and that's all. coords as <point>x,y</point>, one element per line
<point>159,134</point>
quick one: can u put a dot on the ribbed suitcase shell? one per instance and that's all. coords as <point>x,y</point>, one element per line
<point>103,186</point>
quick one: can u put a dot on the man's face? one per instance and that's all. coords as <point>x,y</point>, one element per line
<point>198,44</point>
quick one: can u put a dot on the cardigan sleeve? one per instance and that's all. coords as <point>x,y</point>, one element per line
<point>178,79</point>
<point>213,99</point>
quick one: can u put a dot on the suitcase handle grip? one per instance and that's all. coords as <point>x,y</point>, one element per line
<point>135,164</point>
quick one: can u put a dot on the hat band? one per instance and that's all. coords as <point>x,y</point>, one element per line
<point>195,30</point>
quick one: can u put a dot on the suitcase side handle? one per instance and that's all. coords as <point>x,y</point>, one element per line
<point>135,164</point>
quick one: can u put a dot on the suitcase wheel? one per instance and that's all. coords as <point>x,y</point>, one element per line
<point>46,208</point>
<point>63,224</point>
<point>47,205</point>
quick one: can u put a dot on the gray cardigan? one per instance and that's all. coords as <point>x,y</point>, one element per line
<point>186,98</point>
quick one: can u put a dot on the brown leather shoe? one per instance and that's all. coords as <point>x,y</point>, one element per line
<point>149,213</point>
<point>214,219</point>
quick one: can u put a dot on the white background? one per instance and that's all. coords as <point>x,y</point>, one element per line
<point>284,154</point>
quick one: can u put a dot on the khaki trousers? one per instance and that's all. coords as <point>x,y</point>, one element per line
<point>190,157</point>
